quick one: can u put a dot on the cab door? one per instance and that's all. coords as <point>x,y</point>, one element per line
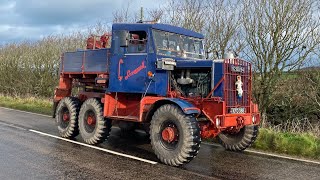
<point>129,64</point>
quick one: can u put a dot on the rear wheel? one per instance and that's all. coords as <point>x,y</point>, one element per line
<point>94,128</point>
<point>175,136</point>
<point>239,141</point>
<point>67,117</point>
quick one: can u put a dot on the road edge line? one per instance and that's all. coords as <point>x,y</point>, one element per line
<point>25,112</point>
<point>271,154</point>
<point>250,151</point>
<point>95,147</point>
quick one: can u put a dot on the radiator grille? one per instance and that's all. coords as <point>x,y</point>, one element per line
<point>233,69</point>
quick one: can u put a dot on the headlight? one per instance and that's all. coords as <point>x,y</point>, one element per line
<point>253,119</point>
<point>217,122</point>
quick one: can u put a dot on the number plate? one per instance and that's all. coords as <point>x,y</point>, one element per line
<point>237,110</point>
<point>239,69</point>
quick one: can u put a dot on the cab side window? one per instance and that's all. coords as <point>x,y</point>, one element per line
<point>137,42</point>
<point>116,43</point>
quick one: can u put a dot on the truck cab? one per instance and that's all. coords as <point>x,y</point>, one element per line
<point>137,49</point>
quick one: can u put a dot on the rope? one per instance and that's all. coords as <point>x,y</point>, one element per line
<point>144,95</point>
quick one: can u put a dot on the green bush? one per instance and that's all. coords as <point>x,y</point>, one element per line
<point>32,67</point>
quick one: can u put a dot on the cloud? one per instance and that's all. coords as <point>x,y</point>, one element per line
<point>33,19</point>
<point>52,12</point>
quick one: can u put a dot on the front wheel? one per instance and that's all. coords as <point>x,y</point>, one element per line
<point>94,128</point>
<point>241,140</point>
<point>175,136</point>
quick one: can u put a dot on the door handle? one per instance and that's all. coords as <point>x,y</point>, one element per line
<point>119,70</point>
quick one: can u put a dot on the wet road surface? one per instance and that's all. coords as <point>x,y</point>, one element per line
<point>27,155</point>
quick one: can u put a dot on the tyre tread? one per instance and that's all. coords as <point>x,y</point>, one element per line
<point>191,141</point>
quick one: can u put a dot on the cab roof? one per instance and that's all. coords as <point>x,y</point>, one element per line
<point>163,27</point>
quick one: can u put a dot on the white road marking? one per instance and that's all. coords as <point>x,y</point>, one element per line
<point>152,162</point>
<point>95,147</point>
<point>270,154</point>
<point>283,157</point>
<point>26,112</point>
<point>12,125</point>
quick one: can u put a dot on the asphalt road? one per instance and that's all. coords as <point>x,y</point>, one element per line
<point>28,155</point>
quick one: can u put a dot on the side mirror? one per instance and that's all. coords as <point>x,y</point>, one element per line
<point>123,38</point>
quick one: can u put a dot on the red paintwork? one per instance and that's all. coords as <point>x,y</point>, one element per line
<point>83,74</point>
<point>86,95</point>
<point>145,105</point>
<point>66,80</point>
<point>191,108</point>
<point>64,89</point>
<point>91,120</point>
<point>169,134</point>
<point>96,42</point>
<point>131,107</point>
<point>214,107</point>
<point>208,130</point>
<point>65,116</point>
<point>122,106</point>
<point>230,88</point>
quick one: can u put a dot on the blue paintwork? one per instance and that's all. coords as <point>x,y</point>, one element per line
<point>137,83</point>
<point>133,84</point>
<point>183,104</point>
<point>96,60</point>
<point>218,74</point>
<point>132,77</point>
<point>72,61</point>
<point>163,27</point>
<point>194,64</point>
<point>86,61</point>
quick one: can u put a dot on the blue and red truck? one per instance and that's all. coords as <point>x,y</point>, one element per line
<point>156,77</point>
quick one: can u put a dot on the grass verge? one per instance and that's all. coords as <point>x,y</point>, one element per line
<point>301,145</point>
<point>31,104</point>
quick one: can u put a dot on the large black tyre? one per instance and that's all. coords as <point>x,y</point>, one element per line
<point>94,128</point>
<point>241,140</point>
<point>184,145</point>
<point>67,113</point>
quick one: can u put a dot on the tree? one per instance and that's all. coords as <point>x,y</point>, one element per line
<point>222,28</point>
<point>280,36</point>
<point>217,20</point>
<point>124,15</point>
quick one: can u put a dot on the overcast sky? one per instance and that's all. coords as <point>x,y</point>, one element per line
<point>33,19</point>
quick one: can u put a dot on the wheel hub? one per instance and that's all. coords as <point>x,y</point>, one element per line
<point>169,134</point>
<point>91,120</point>
<point>240,122</point>
<point>65,116</point>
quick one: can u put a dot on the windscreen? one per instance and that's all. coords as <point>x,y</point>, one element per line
<point>176,45</point>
